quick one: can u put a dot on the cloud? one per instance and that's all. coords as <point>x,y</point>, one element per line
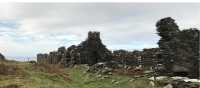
<point>29,28</point>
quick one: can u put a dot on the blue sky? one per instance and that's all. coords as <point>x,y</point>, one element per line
<point>27,29</point>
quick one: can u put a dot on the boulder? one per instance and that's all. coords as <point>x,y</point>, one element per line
<point>2,57</point>
<point>183,84</point>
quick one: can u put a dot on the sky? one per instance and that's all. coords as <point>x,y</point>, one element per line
<point>30,28</point>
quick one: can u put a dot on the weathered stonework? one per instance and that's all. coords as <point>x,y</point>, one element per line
<point>178,51</point>
<point>89,52</point>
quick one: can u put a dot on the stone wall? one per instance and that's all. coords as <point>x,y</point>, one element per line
<point>180,48</point>
<point>90,51</point>
<point>146,57</point>
<point>178,51</point>
<point>126,57</point>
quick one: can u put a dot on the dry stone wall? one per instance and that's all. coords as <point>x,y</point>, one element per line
<point>88,52</point>
<point>180,48</point>
<point>178,51</point>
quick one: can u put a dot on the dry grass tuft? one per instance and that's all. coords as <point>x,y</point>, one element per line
<point>52,69</point>
<point>10,69</point>
<point>48,68</point>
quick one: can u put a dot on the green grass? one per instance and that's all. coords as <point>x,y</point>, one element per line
<point>77,78</point>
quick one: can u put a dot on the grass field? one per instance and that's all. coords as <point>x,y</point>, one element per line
<point>26,75</point>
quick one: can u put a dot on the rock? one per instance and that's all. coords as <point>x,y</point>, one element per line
<point>99,76</point>
<point>100,68</point>
<point>183,84</point>
<point>131,80</point>
<point>168,86</point>
<point>113,81</point>
<point>110,73</point>
<point>158,78</point>
<point>2,57</point>
<point>117,82</point>
<point>152,83</point>
<point>104,77</point>
<point>186,79</point>
<point>106,70</point>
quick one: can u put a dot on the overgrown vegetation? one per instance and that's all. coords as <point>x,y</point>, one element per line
<point>26,75</point>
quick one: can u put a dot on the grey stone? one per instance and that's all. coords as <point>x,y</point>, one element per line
<point>2,57</point>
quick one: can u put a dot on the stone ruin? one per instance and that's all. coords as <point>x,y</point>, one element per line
<point>178,51</point>
<point>146,57</point>
<point>2,57</point>
<point>125,57</point>
<point>90,51</point>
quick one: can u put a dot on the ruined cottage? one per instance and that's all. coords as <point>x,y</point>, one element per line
<point>178,51</point>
